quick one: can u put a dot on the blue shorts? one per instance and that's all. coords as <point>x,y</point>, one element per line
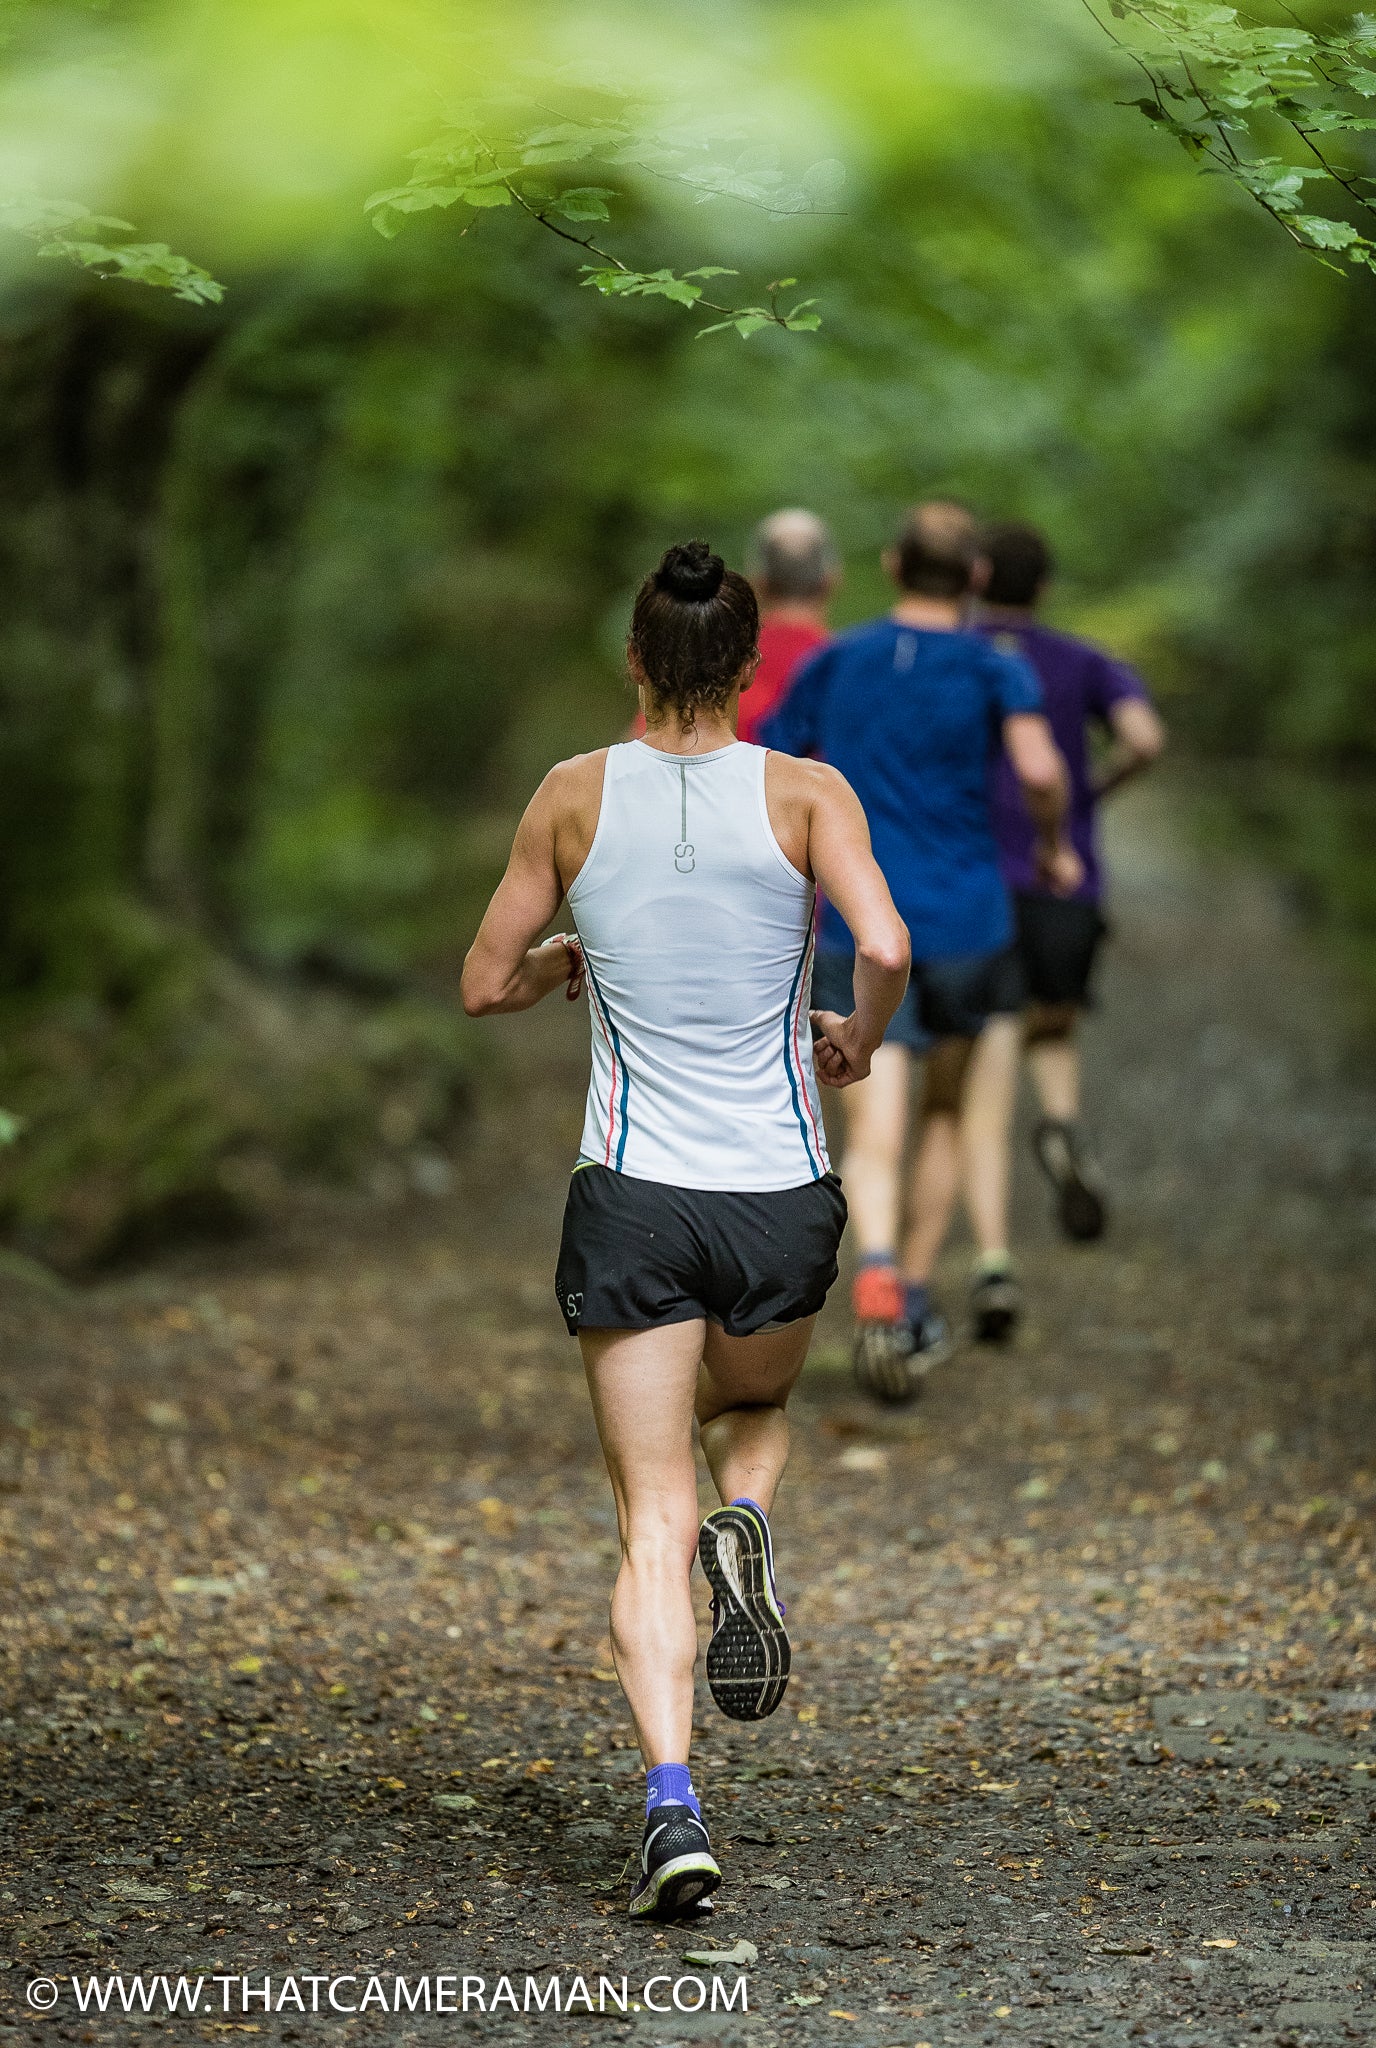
<point>952,998</point>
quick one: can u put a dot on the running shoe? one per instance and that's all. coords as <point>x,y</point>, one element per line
<point>931,1337</point>
<point>1081,1205</point>
<point>995,1304</point>
<point>677,1867</point>
<point>748,1658</point>
<point>882,1357</point>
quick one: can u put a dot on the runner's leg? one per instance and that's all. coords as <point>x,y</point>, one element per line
<point>935,1182</point>
<point>877,1116</point>
<point>742,1388</point>
<point>642,1384</point>
<point>743,1384</point>
<point>986,1125</point>
<point>1053,1057</point>
<point>986,1138</point>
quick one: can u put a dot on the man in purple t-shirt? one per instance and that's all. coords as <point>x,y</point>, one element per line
<point>1057,937</point>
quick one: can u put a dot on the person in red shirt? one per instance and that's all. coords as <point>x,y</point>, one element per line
<point>796,571</point>
<point>795,568</point>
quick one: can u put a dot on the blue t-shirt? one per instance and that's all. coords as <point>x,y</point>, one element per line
<point>911,718</point>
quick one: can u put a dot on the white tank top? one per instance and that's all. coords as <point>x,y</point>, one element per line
<point>698,934</point>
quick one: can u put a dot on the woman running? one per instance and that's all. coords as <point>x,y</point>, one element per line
<point>703,1217</point>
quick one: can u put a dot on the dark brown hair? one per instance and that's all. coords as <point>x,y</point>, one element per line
<point>695,626</point>
<point>1020,562</point>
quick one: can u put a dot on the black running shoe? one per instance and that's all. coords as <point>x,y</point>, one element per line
<point>677,1867</point>
<point>995,1304</point>
<point>1081,1206</point>
<point>931,1335</point>
<point>748,1658</point>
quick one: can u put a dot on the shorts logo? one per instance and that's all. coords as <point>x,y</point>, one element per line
<point>573,1306</point>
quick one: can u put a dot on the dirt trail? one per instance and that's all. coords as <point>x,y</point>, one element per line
<point>306,1552</point>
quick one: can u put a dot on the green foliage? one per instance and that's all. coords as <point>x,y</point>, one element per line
<point>178,1094</point>
<point>65,230</point>
<point>497,153</point>
<point>299,596</point>
<point>1225,84</point>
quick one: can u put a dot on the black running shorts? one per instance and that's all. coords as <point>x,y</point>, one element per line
<point>636,1254</point>
<point>1058,938</point>
<point>944,998</point>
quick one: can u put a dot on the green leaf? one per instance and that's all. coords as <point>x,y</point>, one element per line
<point>1326,234</point>
<point>584,202</point>
<point>557,152</point>
<point>608,282</point>
<point>822,182</point>
<point>643,284</point>
<point>711,270</point>
<point>10,1127</point>
<point>149,263</point>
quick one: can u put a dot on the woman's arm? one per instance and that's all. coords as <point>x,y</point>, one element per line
<point>505,969</point>
<point>840,857</point>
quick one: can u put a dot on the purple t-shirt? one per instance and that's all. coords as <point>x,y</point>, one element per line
<point>1080,686</point>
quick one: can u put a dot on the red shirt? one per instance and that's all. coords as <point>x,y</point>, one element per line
<point>784,646</point>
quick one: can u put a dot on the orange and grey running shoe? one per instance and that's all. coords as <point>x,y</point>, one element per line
<point>886,1357</point>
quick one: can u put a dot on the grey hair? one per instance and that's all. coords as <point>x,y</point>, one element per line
<point>792,555</point>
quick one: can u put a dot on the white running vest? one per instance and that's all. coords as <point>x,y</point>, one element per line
<point>698,934</point>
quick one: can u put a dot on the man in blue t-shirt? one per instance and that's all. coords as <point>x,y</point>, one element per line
<point>911,708</point>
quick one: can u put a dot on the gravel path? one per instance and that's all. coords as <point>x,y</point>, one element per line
<point>303,1660</point>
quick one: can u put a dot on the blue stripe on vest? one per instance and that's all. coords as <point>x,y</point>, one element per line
<point>616,1048</point>
<point>793,1078</point>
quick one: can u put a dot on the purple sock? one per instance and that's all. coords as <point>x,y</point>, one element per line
<point>670,1785</point>
<point>868,1259</point>
<point>743,1500</point>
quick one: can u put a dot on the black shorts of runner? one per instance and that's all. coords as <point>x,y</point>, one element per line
<point>1058,939</point>
<point>636,1254</point>
<point>952,998</point>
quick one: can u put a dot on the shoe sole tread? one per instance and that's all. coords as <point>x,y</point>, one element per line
<point>749,1656</point>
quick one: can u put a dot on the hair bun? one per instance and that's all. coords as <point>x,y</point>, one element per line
<point>690,572</point>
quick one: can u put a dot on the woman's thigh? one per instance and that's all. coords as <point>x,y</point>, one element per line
<point>643,1384</point>
<point>749,1372</point>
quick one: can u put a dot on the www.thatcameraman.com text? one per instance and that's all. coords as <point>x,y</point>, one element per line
<point>351,1993</point>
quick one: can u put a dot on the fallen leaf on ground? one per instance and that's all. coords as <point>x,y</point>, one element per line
<point>772,1884</point>
<point>863,1458</point>
<point>141,1894</point>
<point>1221,1941</point>
<point>454,1802</point>
<point>803,1998</point>
<point>742,1955</point>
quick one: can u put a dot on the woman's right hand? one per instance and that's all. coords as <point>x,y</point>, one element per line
<point>839,1053</point>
